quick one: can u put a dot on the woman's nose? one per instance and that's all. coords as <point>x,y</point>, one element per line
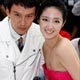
<point>50,25</point>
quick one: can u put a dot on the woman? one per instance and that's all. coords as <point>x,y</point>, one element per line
<point>61,59</point>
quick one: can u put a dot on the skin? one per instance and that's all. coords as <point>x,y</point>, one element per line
<point>59,54</point>
<point>21,18</point>
<point>49,23</point>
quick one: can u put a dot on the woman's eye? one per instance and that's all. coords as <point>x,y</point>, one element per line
<point>57,21</point>
<point>45,19</point>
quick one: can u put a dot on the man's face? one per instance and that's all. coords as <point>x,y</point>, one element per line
<point>21,18</point>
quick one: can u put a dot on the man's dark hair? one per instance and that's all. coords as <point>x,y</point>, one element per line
<point>25,3</point>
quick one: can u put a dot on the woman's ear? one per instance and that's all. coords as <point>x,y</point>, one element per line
<point>64,23</point>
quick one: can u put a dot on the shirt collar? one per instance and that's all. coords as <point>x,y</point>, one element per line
<point>15,35</point>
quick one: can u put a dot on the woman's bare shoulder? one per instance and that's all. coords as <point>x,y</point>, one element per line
<point>65,48</point>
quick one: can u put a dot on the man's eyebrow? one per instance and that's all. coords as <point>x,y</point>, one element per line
<point>15,12</point>
<point>20,13</point>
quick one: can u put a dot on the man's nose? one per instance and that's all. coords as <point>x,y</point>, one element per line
<point>23,21</point>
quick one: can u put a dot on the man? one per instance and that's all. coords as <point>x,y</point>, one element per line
<point>76,13</point>
<point>76,8</point>
<point>15,63</point>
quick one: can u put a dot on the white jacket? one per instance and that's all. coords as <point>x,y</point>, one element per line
<point>26,63</point>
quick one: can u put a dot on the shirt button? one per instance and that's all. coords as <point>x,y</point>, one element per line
<point>7,56</point>
<point>34,50</point>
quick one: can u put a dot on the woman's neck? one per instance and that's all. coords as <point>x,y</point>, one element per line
<point>51,43</point>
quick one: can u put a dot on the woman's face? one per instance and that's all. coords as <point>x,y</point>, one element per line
<point>51,22</point>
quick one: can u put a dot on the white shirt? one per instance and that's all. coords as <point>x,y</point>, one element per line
<point>75,44</point>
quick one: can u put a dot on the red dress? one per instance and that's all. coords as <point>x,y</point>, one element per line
<point>56,75</point>
<point>65,34</point>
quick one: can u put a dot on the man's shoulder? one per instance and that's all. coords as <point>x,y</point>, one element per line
<point>35,26</point>
<point>4,24</point>
<point>4,29</point>
<point>35,29</point>
<point>75,40</point>
<point>4,21</point>
<point>35,32</point>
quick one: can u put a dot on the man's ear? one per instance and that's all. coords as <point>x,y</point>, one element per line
<point>7,12</point>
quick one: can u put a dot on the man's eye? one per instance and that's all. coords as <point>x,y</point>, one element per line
<point>31,16</point>
<point>17,15</point>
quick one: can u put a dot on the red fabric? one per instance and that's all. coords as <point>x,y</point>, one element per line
<point>65,34</point>
<point>56,75</point>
